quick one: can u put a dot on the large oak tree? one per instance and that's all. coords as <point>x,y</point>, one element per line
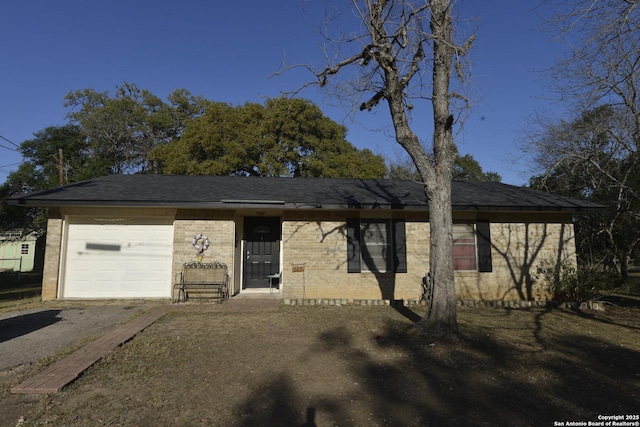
<point>124,128</point>
<point>283,137</point>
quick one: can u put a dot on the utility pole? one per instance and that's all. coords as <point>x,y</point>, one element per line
<point>60,166</point>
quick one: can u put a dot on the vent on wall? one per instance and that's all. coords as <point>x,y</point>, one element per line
<point>111,219</point>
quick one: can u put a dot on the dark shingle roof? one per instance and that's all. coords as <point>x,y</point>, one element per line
<point>291,193</point>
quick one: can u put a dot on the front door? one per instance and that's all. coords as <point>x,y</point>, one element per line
<point>261,251</point>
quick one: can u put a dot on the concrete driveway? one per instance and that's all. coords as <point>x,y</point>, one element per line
<point>27,336</point>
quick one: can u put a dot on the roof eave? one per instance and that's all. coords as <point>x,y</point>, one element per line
<point>533,209</point>
<point>226,205</point>
<point>297,206</point>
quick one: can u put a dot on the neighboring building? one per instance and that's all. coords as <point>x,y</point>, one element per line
<point>127,236</point>
<point>17,251</point>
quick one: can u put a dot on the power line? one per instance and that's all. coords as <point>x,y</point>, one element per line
<point>9,148</point>
<point>8,166</point>
<point>10,142</point>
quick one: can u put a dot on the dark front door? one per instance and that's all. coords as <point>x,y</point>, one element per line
<point>261,250</point>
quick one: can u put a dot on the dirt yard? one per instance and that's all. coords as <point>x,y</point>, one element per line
<point>352,366</point>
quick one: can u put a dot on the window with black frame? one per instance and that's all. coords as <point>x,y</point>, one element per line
<point>376,245</point>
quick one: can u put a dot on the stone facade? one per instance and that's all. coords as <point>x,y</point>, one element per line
<point>52,264</point>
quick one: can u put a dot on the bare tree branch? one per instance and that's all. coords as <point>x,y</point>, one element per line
<point>402,41</point>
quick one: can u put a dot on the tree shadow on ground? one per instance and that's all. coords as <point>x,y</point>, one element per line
<point>484,378</point>
<point>405,311</point>
<point>18,326</point>
<point>623,318</point>
<point>621,300</point>
<point>271,404</point>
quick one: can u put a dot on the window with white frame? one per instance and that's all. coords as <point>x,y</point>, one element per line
<point>464,247</point>
<point>472,247</point>
<point>376,245</point>
<point>24,249</point>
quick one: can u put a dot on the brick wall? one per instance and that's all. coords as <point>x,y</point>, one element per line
<point>518,249</point>
<point>219,227</point>
<point>317,244</point>
<point>315,260</point>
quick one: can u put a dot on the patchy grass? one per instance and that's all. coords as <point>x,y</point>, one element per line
<point>358,366</point>
<point>633,283</point>
<point>19,289</point>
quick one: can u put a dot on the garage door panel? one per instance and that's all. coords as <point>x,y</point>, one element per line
<point>118,261</point>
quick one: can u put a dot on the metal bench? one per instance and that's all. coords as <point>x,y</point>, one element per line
<point>203,280</point>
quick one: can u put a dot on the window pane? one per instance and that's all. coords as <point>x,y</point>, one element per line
<point>464,247</point>
<point>375,257</point>
<point>374,232</point>
<point>463,231</point>
<point>464,264</point>
<point>468,251</point>
<point>464,241</point>
<point>375,245</point>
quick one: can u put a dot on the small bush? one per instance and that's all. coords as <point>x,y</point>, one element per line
<point>566,283</point>
<point>631,286</point>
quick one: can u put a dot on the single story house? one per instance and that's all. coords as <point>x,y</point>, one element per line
<point>128,236</point>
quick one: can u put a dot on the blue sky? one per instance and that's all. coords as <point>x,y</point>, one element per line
<point>226,51</point>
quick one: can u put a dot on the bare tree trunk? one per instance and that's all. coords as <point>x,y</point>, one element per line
<point>394,56</point>
<point>441,320</point>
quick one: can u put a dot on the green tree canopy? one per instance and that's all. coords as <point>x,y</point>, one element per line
<point>123,129</point>
<point>283,137</point>
<point>41,170</point>
<point>465,168</point>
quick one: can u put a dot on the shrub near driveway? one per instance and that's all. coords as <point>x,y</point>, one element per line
<point>360,366</point>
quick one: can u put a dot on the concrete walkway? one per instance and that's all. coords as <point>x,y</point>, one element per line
<point>54,378</point>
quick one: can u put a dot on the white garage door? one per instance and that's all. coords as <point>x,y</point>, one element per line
<point>119,259</point>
